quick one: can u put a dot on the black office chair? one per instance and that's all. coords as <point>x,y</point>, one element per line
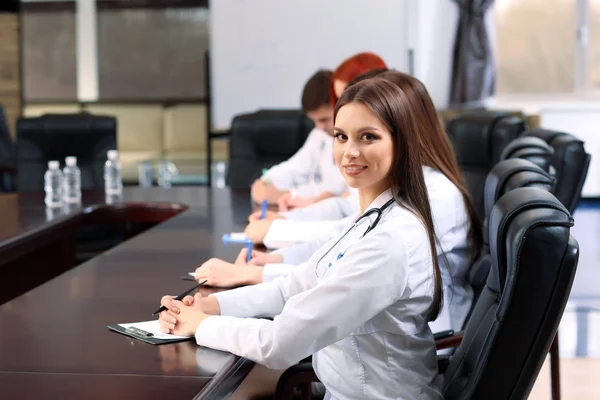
<point>56,136</point>
<point>263,139</point>
<point>512,326</point>
<point>8,171</point>
<point>504,177</point>
<point>570,164</point>
<point>570,161</point>
<point>479,137</point>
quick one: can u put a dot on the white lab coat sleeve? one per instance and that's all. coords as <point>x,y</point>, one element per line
<point>301,252</point>
<point>284,233</point>
<point>296,169</point>
<point>272,271</point>
<point>265,300</point>
<point>370,277</point>
<point>333,208</point>
<point>292,256</point>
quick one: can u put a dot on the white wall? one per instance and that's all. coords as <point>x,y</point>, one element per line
<point>582,122</point>
<point>263,51</point>
<point>435,33</point>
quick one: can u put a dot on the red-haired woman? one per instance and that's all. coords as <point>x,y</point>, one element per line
<point>352,67</point>
<point>361,64</point>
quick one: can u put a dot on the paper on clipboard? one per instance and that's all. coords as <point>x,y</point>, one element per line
<point>153,327</point>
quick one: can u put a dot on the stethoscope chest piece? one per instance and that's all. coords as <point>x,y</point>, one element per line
<point>377,211</point>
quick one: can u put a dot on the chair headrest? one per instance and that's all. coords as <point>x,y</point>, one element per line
<point>570,161</point>
<point>511,174</point>
<point>513,215</point>
<point>273,131</point>
<point>70,124</point>
<point>54,136</point>
<point>530,148</point>
<point>475,138</point>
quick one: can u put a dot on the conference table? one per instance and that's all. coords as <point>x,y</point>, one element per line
<point>54,340</point>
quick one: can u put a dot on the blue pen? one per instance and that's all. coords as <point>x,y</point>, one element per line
<point>249,256</point>
<point>263,208</point>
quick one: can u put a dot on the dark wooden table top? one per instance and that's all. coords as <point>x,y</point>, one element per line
<point>54,341</point>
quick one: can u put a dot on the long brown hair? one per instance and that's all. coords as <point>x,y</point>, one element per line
<point>402,103</point>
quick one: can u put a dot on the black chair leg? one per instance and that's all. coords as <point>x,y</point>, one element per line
<point>555,369</point>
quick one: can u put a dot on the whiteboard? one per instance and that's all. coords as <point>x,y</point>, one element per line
<point>264,51</point>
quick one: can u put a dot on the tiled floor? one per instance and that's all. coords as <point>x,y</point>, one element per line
<point>579,332</point>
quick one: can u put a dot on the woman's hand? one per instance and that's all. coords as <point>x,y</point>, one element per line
<point>288,202</point>
<point>259,190</point>
<point>262,190</point>
<point>259,258</point>
<point>257,230</point>
<point>220,273</point>
<point>269,215</point>
<point>182,317</point>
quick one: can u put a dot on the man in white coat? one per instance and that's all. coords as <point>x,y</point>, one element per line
<point>309,175</point>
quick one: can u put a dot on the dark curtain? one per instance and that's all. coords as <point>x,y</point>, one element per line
<point>473,72</point>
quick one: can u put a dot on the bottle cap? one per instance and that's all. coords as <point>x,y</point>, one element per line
<point>113,154</point>
<point>71,161</point>
<point>53,164</point>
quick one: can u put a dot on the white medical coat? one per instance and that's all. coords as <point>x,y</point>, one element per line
<point>364,318</point>
<point>333,208</point>
<point>454,251</point>
<point>311,171</point>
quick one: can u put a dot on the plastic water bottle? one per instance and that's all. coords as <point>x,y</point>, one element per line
<point>53,185</point>
<point>220,171</point>
<point>72,181</point>
<point>113,183</point>
<point>165,174</point>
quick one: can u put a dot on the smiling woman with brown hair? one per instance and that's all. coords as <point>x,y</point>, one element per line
<point>362,303</point>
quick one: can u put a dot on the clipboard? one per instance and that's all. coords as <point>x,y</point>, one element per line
<point>148,332</point>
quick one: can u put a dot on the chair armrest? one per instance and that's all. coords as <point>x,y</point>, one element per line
<point>301,374</point>
<point>443,334</point>
<point>449,342</point>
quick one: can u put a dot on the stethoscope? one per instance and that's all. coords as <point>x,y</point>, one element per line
<point>378,211</point>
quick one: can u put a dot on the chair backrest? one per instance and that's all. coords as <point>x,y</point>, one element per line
<point>530,148</point>
<point>7,154</point>
<point>479,137</point>
<point>570,161</point>
<point>7,147</point>
<point>507,175</point>
<point>262,139</point>
<point>516,318</point>
<point>56,136</point>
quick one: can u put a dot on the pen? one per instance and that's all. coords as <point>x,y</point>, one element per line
<point>138,332</point>
<point>263,208</point>
<point>180,297</point>
<point>249,256</point>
